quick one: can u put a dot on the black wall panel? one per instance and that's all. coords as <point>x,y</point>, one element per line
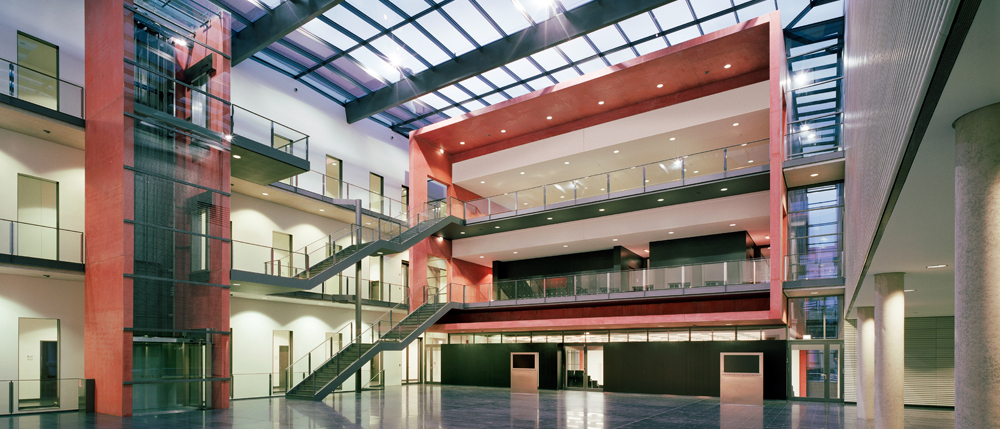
<point>696,250</point>
<point>686,368</point>
<point>599,260</point>
<point>488,365</point>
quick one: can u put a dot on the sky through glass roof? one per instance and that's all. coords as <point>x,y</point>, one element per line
<point>361,46</point>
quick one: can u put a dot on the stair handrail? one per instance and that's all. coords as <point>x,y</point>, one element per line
<point>378,374</point>
<point>421,292</point>
<point>350,228</point>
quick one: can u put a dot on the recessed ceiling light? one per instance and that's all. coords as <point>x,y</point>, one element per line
<point>567,163</point>
<point>482,182</point>
<point>548,117</point>
<point>660,200</point>
<point>673,138</point>
<point>767,237</point>
<point>732,224</point>
<point>463,233</point>
<point>736,124</point>
<point>565,245</point>
<point>481,257</point>
<point>497,227</point>
<point>750,162</point>
<point>723,189</point>
<point>522,172</point>
<point>442,150</point>
<point>550,218</point>
<point>616,151</point>
<point>322,210</point>
<point>814,175</point>
<point>696,172</point>
<point>461,142</point>
<point>236,284</point>
<point>647,250</point>
<point>671,232</point>
<point>727,66</point>
<point>600,102</point>
<point>503,131</point>
<point>729,324</point>
<point>937,266</point>
<point>515,253</point>
<point>601,210</point>
<point>814,293</point>
<point>659,86</point>
<point>265,193</point>
<point>237,156</point>
<point>614,239</point>
<point>228,137</point>
<point>908,290</point>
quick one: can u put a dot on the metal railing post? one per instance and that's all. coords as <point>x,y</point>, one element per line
<point>683,169</point>
<point>644,178</point>
<point>725,159</point>
<point>272,261</point>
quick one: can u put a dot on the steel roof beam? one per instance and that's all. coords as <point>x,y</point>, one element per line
<point>280,21</point>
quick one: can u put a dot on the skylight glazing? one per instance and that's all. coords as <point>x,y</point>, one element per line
<point>361,46</point>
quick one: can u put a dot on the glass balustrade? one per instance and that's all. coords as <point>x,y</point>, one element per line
<point>41,395</point>
<point>36,87</point>
<point>714,277</point>
<point>655,176</point>
<point>320,186</point>
<point>37,241</point>
<point>814,265</point>
<point>254,127</point>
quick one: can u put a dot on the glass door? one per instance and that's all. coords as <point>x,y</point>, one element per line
<point>814,371</point>
<point>584,366</point>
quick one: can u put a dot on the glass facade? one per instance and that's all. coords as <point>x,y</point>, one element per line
<point>815,232</point>
<point>725,333</point>
<point>815,318</point>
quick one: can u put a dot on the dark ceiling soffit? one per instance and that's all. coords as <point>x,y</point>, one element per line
<point>270,28</point>
<point>576,22</point>
<point>946,62</point>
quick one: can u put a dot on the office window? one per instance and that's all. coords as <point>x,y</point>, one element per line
<point>815,232</point>
<point>37,71</point>
<point>814,318</point>
<point>376,191</point>
<point>404,197</point>
<point>334,172</point>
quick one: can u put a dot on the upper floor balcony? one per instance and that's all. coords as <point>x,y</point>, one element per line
<point>724,277</point>
<point>40,104</point>
<point>39,246</point>
<point>722,165</point>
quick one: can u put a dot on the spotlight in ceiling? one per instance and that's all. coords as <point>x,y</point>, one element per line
<point>265,194</point>
<point>600,102</point>
<point>237,156</point>
<point>461,142</point>
<point>732,224</point>
<point>671,232</point>
<point>616,151</point>
<point>548,117</point>
<point>659,86</point>
<point>727,66</point>
<point>908,290</point>
<point>937,266</point>
<point>814,175</point>
<point>567,163</point>
<point>723,189</point>
<point>736,124</point>
<point>673,138</point>
<point>503,131</point>
<point>228,137</point>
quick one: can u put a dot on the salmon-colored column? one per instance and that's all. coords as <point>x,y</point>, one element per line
<point>778,206</point>
<point>108,294</point>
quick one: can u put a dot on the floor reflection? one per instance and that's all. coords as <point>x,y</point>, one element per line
<point>435,406</point>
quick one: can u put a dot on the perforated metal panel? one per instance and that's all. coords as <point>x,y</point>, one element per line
<point>891,48</point>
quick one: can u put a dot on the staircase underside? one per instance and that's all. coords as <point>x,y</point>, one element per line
<point>251,282</point>
<point>415,324</point>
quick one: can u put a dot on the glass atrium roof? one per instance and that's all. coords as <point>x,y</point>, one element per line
<point>361,46</point>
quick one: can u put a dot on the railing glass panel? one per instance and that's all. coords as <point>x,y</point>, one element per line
<point>43,242</point>
<point>262,130</point>
<point>39,396</point>
<point>39,88</point>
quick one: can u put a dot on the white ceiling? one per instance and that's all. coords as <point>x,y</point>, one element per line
<point>921,230</point>
<point>698,125</point>
<point>634,230</point>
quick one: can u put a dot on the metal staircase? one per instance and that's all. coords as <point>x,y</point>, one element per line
<point>327,257</point>
<point>327,366</point>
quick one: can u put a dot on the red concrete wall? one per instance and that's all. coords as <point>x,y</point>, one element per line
<point>107,293</point>
<point>778,206</point>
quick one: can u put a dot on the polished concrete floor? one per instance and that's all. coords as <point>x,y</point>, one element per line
<point>475,407</point>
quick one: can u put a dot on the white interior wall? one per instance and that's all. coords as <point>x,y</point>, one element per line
<point>364,147</point>
<point>58,22</point>
<point>254,319</point>
<point>19,154</point>
<point>30,332</point>
<point>41,298</point>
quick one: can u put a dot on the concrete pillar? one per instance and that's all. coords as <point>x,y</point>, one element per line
<point>866,363</point>
<point>888,367</point>
<point>977,268</point>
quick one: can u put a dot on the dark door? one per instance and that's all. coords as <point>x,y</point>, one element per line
<point>49,375</point>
